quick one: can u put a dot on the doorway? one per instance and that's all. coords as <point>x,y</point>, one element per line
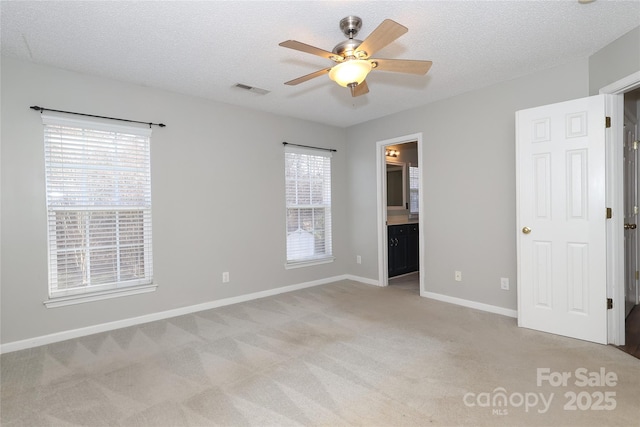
<point>624,90</point>
<point>631,203</point>
<point>631,214</point>
<point>400,228</point>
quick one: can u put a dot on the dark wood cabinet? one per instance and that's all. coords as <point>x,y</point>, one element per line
<point>413,248</point>
<point>403,249</point>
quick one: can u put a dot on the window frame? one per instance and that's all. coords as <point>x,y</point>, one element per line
<point>327,256</point>
<point>414,208</point>
<point>119,210</point>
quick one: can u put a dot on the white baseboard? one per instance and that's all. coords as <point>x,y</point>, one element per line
<point>471,304</point>
<point>104,327</point>
<point>445,298</point>
<point>363,280</point>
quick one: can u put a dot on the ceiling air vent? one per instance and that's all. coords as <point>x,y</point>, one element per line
<point>252,89</point>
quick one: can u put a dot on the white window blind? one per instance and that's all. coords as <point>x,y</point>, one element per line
<point>414,190</point>
<point>98,187</point>
<point>308,205</point>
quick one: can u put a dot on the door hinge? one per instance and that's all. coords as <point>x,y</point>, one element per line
<point>609,213</point>
<point>635,145</point>
<point>637,275</point>
<point>607,122</point>
<point>609,303</point>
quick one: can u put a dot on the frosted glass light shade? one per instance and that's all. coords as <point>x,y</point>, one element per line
<point>353,71</point>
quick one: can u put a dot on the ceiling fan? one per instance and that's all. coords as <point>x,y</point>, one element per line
<point>353,57</point>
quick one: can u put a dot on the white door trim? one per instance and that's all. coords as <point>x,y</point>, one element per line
<point>615,200</point>
<point>381,161</point>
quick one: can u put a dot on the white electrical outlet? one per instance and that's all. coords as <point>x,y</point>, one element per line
<point>225,277</point>
<point>458,276</point>
<point>504,283</point>
<point>358,259</point>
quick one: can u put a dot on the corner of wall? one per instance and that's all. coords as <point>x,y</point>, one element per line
<point>615,61</point>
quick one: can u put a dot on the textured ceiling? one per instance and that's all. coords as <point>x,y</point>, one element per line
<point>205,48</point>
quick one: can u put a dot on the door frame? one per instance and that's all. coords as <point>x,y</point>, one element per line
<point>381,181</point>
<point>615,200</point>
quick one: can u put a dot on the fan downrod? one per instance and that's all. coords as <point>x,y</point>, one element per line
<point>350,26</point>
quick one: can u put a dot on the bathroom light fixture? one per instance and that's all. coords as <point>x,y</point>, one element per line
<point>391,153</point>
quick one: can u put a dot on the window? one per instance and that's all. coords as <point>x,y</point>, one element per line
<point>308,203</point>
<point>414,190</point>
<point>98,188</point>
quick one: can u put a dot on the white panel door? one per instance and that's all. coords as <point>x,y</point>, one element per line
<point>561,219</point>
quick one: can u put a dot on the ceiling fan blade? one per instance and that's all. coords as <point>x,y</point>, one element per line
<point>308,77</point>
<point>384,34</point>
<point>302,47</point>
<point>409,66</point>
<point>361,89</point>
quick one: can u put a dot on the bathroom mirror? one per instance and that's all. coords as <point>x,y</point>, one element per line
<point>396,185</point>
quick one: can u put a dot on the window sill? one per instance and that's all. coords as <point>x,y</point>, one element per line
<point>307,263</point>
<point>97,296</point>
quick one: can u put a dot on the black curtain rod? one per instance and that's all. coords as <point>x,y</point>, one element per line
<point>41,109</point>
<point>308,146</point>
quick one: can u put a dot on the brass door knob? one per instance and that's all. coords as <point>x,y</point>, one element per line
<point>526,230</point>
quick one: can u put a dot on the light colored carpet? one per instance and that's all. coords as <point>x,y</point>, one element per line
<point>332,355</point>
<point>408,282</point>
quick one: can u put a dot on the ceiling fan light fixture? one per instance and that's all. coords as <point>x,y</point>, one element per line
<point>352,57</point>
<point>350,72</point>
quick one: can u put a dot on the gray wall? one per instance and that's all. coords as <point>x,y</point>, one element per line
<point>615,61</point>
<point>468,159</point>
<point>212,175</point>
<point>217,193</point>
